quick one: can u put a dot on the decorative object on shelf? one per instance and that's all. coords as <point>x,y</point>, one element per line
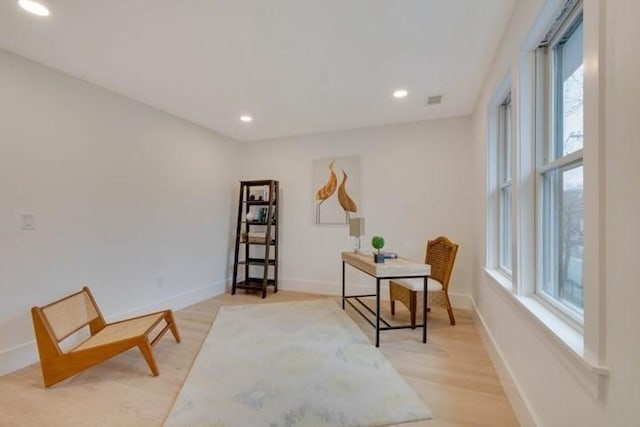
<point>336,210</point>
<point>378,243</point>
<point>262,215</point>
<point>256,246</point>
<point>259,194</point>
<point>258,238</point>
<point>356,229</point>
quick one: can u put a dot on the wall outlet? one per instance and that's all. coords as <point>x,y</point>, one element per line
<point>28,221</point>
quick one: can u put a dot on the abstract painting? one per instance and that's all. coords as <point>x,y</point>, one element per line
<point>336,189</point>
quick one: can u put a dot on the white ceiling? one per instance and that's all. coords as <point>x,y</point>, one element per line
<point>296,66</point>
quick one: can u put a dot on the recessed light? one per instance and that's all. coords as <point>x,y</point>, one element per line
<point>400,93</point>
<point>34,7</point>
<point>246,119</point>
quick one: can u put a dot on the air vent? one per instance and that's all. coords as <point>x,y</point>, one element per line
<point>434,100</point>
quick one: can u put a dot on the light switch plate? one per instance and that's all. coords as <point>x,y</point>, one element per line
<point>28,221</point>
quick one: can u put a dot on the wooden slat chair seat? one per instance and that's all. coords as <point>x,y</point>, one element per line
<point>119,331</point>
<point>57,321</point>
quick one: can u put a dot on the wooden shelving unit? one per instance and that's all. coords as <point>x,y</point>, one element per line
<point>258,259</point>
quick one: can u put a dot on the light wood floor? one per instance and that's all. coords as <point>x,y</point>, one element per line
<point>452,373</point>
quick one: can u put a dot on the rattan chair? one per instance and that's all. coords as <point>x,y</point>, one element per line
<point>441,254</point>
<point>55,322</point>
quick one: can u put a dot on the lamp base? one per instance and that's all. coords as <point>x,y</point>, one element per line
<point>356,245</point>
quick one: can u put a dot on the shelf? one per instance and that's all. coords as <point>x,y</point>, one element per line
<point>273,242</point>
<point>258,202</point>
<point>264,234</point>
<point>257,261</point>
<point>258,183</point>
<point>254,284</point>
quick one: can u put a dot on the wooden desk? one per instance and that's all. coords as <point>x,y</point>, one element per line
<point>399,268</point>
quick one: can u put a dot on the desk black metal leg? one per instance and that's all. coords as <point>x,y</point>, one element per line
<point>343,285</point>
<point>377,312</point>
<point>424,312</point>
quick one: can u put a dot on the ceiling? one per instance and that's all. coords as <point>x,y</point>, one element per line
<point>296,66</point>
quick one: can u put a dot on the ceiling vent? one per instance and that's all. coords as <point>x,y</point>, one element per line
<point>434,100</point>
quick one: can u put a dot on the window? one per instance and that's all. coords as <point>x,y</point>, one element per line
<point>559,171</point>
<point>504,182</point>
<point>542,221</point>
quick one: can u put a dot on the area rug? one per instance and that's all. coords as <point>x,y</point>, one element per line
<point>292,364</point>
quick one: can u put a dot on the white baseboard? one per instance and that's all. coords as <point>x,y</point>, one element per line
<point>174,302</point>
<point>322,288</point>
<point>462,301</point>
<point>511,387</point>
<point>18,357</point>
<point>26,354</point>
<point>334,288</point>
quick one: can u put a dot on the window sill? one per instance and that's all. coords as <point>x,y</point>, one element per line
<point>500,278</point>
<point>562,334</point>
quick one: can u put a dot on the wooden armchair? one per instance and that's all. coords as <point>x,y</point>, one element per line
<point>441,254</point>
<point>55,322</point>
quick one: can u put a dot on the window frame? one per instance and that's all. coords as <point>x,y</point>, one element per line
<point>504,174</point>
<point>583,348</point>
<point>494,177</point>
<point>550,158</point>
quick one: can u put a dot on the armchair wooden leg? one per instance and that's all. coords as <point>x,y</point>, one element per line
<point>145,349</point>
<point>393,307</point>
<point>173,327</point>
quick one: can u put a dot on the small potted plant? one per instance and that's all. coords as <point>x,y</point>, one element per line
<point>378,243</point>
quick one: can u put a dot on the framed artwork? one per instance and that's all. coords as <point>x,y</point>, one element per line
<point>336,189</point>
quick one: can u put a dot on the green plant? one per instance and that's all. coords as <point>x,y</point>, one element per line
<point>377,242</point>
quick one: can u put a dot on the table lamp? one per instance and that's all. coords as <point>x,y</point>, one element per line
<point>356,229</point>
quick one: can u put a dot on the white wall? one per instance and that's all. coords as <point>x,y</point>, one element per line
<point>130,200</point>
<point>548,387</point>
<point>415,186</point>
<point>622,204</point>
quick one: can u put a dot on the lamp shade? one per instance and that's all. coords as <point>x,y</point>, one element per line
<point>356,227</point>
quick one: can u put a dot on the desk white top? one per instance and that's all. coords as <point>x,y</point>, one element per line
<point>398,267</point>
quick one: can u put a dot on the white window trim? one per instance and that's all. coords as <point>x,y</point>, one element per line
<point>493,260</point>
<point>563,337</point>
<point>585,351</point>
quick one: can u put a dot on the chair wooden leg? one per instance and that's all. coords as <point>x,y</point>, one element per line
<point>393,307</point>
<point>451,318</point>
<point>173,326</point>
<point>145,349</point>
<point>413,307</point>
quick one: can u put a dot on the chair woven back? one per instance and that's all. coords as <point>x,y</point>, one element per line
<point>70,314</point>
<point>441,254</point>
